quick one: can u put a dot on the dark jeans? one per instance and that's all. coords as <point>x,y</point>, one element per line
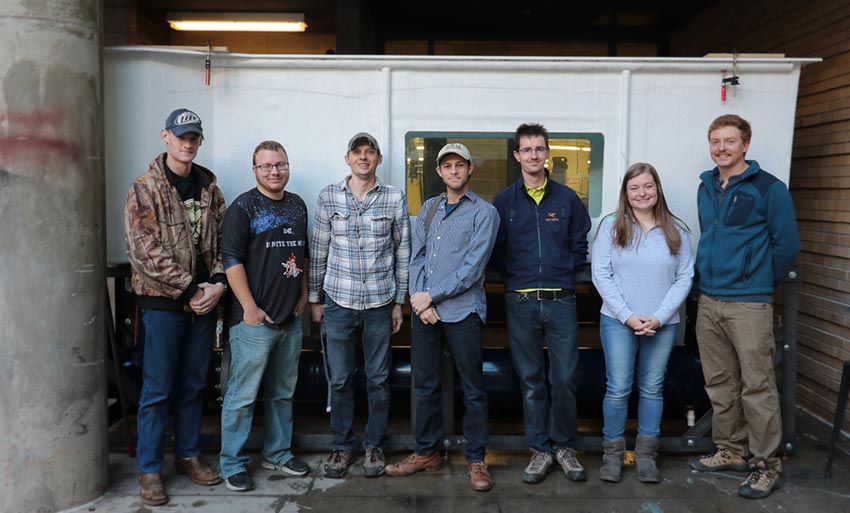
<point>549,423</point>
<point>341,324</point>
<point>178,349</point>
<point>464,339</point>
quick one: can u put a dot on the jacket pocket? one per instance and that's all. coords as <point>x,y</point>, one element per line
<point>745,263</point>
<point>740,209</point>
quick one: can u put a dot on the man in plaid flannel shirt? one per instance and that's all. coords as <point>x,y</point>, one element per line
<point>359,258</point>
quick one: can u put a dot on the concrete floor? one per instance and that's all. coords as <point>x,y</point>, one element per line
<point>805,490</point>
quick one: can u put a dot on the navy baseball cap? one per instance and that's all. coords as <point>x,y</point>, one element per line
<point>183,121</point>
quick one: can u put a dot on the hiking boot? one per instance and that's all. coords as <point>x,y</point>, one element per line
<point>151,490</point>
<point>240,482</point>
<point>479,478</point>
<point>413,464</point>
<point>373,464</point>
<point>646,452</point>
<point>538,466</point>
<point>337,463</point>
<point>198,471</point>
<point>566,457</point>
<point>612,460</point>
<point>721,459</point>
<point>760,483</point>
<point>293,467</point>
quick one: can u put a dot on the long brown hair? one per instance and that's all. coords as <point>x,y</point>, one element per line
<point>623,229</point>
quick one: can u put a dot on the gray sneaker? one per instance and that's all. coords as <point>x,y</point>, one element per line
<point>337,463</point>
<point>539,465</point>
<point>373,464</point>
<point>566,457</point>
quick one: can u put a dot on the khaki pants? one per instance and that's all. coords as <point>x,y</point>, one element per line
<point>736,345</point>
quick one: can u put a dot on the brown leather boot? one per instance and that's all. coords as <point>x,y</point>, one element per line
<point>151,490</point>
<point>413,464</point>
<point>198,471</point>
<point>479,477</point>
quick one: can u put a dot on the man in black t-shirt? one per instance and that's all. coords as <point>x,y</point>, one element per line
<point>265,258</point>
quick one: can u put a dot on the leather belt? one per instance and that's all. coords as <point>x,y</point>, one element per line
<point>542,295</point>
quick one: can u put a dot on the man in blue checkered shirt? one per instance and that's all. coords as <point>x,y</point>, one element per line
<point>452,242</point>
<point>359,259</point>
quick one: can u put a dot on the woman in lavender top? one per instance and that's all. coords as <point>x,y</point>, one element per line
<point>643,269</point>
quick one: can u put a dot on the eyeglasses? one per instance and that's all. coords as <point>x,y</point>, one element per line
<point>529,151</point>
<point>267,168</point>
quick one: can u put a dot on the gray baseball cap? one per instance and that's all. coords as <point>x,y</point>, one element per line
<point>361,138</point>
<point>456,148</point>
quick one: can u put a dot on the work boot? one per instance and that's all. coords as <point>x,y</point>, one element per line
<point>374,464</point>
<point>646,452</point>
<point>612,460</point>
<point>151,489</point>
<point>198,471</point>
<point>760,482</point>
<point>721,459</point>
<point>479,477</point>
<point>413,464</point>
<point>337,463</point>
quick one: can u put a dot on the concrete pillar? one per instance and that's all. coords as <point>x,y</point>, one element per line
<point>53,450</point>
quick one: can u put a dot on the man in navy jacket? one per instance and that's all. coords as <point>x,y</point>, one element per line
<point>542,239</point>
<point>749,241</point>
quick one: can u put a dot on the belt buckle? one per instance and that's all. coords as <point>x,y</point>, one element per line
<point>541,298</point>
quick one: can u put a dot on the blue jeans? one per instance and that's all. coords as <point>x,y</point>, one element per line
<point>622,348</point>
<point>464,339</point>
<point>259,354</point>
<point>177,353</point>
<point>549,423</point>
<point>341,325</point>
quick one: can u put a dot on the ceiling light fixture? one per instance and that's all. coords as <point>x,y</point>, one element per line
<point>238,21</point>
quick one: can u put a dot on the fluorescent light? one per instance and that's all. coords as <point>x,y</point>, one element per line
<point>570,148</point>
<point>238,21</point>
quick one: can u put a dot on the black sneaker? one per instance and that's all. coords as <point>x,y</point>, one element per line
<point>240,482</point>
<point>293,467</point>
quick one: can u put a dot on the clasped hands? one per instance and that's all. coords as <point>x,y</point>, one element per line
<point>643,324</point>
<point>206,297</point>
<point>423,306</point>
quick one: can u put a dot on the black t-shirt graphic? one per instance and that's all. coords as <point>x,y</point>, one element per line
<point>269,238</point>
